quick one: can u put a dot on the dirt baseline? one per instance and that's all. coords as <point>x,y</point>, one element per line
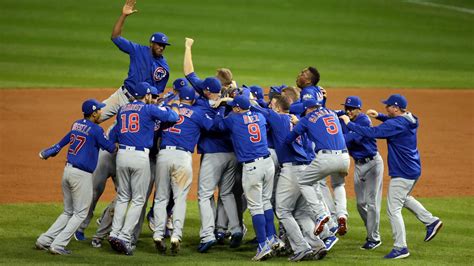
<point>34,119</point>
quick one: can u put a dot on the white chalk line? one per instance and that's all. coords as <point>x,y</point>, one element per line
<point>455,8</point>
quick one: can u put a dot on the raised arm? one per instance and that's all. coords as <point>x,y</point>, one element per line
<point>127,10</point>
<point>188,66</point>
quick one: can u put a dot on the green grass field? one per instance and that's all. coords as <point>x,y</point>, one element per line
<point>21,224</point>
<point>364,43</point>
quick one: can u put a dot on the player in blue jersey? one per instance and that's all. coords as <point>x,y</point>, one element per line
<point>324,130</point>
<point>147,63</point>
<point>368,171</point>
<point>307,80</point>
<point>174,167</point>
<point>134,133</point>
<point>400,127</point>
<point>249,139</point>
<point>84,139</point>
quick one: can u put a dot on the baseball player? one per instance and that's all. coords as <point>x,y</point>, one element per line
<point>174,168</point>
<point>323,128</point>
<point>84,139</point>
<point>219,164</point>
<point>399,127</point>
<point>147,63</point>
<point>293,160</point>
<point>307,81</point>
<point>368,171</point>
<point>249,138</point>
<point>134,133</point>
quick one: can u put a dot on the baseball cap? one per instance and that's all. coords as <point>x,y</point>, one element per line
<point>159,37</point>
<point>142,89</point>
<point>212,84</point>
<point>311,102</point>
<point>257,91</point>
<point>91,105</point>
<point>397,100</point>
<point>353,101</point>
<point>179,83</point>
<point>187,93</point>
<point>240,101</point>
<point>154,91</point>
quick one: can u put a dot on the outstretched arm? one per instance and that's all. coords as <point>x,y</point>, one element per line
<point>127,10</point>
<point>188,67</point>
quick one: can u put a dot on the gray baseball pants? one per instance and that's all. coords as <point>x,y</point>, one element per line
<point>113,104</point>
<point>398,197</point>
<point>77,193</point>
<point>257,182</point>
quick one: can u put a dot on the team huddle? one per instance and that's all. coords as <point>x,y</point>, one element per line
<point>271,156</point>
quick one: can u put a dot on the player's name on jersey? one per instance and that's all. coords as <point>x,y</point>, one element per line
<point>185,112</point>
<point>316,115</point>
<point>81,128</point>
<point>250,118</point>
<point>132,107</point>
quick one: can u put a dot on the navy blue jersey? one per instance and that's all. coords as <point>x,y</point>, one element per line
<point>196,82</point>
<point>400,132</point>
<point>248,133</point>
<point>85,139</point>
<point>359,146</point>
<point>136,123</point>
<point>186,132</point>
<point>143,66</point>
<point>310,92</point>
<point>281,126</point>
<point>323,128</point>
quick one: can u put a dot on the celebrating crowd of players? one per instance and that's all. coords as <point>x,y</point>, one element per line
<point>271,158</point>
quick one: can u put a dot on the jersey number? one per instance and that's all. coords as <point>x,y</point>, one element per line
<point>74,148</point>
<point>331,126</point>
<point>173,129</point>
<point>133,123</point>
<point>254,131</point>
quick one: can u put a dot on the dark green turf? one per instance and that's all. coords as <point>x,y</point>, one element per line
<point>21,224</point>
<point>363,43</point>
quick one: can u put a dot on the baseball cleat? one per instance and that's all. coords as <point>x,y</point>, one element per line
<point>398,254</point>
<point>370,245</point>
<point>236,240</point>
<point>160,245</point>
<point>96,242</point>
<point>40,246</point>
<point>433,229</point>
<point>276,244</point>
<point>319,254</point>
<point>220,238</point>
<point>330,242</point>
<point>59,251</point>
<point>319,226</point>
<point>115,244</point>
<point>305,254</point>
<point>79,236</point>
<point>263,252</point>
<point>204,247</point>
<point>342,225</point>
<point>175,245</point>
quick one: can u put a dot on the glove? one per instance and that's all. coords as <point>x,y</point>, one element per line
<point>49,152</point>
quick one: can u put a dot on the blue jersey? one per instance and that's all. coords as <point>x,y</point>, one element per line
<point>281,126</point>
<point>359,146</point>
<point>186,132</point>
<point>136,123</point>
<point>248,133</point>
<point>400,132</point>
<point>143,66</point>
<point>310,92</point>
<point>323,128</point>
<point>85,139</point>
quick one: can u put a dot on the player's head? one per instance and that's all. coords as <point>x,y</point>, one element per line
<point>307,77</point>
<point>280,104</point>
<point>179,83</point>
<point>92,109</point>
<point>187,95</point>
<point>257,92</point>
<point>395,105</point>
<point>158,43</point>
<point>240,104</point>
<point>352,106</point>
<point>310,105</point>
<point>154,95</point>
<point>224,75</point>
<point>142,92</point>
<point>292,93</point>
<point>212,88</point>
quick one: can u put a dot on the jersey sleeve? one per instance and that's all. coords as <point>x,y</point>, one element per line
<point>196,82</point>
<point>64,141</point>
<point>256,108</point>
<point>124,45</point>
<point>220,123</point>
<point>382,117</point>
<point>383,131</point>
<point>164,114</point>
<point>102,140</point>
<point>205,121</point>
<point>298,130</point>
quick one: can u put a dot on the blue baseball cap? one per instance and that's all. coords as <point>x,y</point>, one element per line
<point>159,37</point>
<point>311,102</point>
<point>142,89</point>
<point>397,100</point>
<point>154,90</point>
<point>179,83</point>
<point>91,105</point>
<point>240,101</point>
<point>257,91</point>
<point>353,101</point>
<point>187,93</point>
<point>212,84</point>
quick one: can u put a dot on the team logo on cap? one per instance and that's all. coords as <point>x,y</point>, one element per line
<point>163,39</point>
<point>94,107</point>
<point>148,90</point>
<point>159,73</point>
<point>307,96</point>
<point>182,83</point>
<point>349,100</point>
<point>153,38</point>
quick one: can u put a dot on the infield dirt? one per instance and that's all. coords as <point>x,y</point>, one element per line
<point>34,119</point>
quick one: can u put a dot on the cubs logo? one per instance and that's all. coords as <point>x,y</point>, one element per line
<point>307,96</point>
<point>159,74</point>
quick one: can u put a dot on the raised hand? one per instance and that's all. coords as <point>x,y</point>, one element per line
<point>372,113</point>
<point>188,43</point>
<point>345,118</point>
<point>129,7</point>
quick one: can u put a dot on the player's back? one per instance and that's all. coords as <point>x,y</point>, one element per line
<point>324,129</point>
